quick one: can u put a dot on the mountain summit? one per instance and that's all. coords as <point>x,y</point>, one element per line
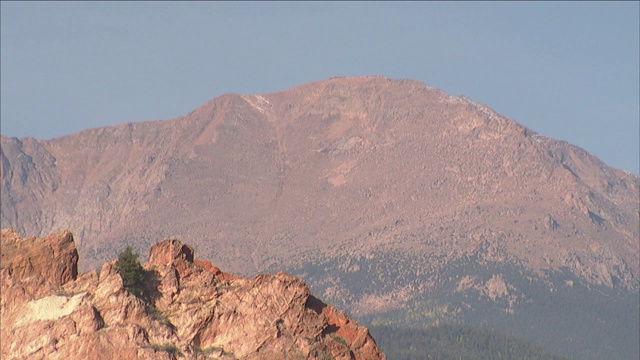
<point>369,188</point>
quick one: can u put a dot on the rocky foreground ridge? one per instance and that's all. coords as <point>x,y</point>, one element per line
<point>190,310</point>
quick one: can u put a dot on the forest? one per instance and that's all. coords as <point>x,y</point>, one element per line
<point>455,342</point>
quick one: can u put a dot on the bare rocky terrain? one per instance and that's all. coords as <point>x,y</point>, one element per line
<point>191,310</point>
<point>381,194</point>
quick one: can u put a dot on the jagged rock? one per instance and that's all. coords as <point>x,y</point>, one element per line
<point>173,252</point>
<point>186,310</point>
<point>38,264</point>
<point>214,270</point>
<point>32,268</point>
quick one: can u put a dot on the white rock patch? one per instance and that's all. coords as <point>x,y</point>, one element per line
<point>49,308</point>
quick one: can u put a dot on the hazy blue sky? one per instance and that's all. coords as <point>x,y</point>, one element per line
<point>570,71</point>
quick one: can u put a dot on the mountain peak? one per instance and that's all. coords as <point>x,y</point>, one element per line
<point>368,187</point>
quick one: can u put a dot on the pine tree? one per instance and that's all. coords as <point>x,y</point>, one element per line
<point>130,270</point>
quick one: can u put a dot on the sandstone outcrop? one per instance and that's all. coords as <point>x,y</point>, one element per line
<point>187,310</point>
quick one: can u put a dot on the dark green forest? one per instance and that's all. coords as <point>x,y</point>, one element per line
<point>581,320</point>
<point>455,342</point>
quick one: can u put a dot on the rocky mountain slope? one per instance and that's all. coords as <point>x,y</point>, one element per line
<point>382,194</point>
<point>192,310</point>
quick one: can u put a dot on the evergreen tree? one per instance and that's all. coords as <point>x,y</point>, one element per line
<point>130,270</point>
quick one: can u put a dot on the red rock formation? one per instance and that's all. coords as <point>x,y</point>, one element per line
<point>32,267</point>
<point>215,270</point>
<point>172,252</point>
<point>341,325</point>
<point>188,311</point>
<point>53,258</point>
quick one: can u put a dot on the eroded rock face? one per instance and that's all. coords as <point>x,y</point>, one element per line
<point>189,309</point>
<point>33,267</point>
<point>53,259</point>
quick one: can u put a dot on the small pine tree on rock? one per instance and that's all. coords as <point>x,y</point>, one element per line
<point>130,270</point>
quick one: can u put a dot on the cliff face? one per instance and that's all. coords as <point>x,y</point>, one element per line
<point>187,309</point>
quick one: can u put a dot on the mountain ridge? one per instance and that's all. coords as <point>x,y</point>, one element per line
<point>130,141</point>
<point>336,179</point>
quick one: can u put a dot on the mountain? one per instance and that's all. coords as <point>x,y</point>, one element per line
<point>189,310</point>
<point>393,200</point>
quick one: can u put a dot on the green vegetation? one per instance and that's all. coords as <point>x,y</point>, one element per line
<point>584,321</point>
<point>62,292</point>
<point>158,315</point>
<point>170,348</point>
<point>339,339</point>
<point>228,287</point>
<point>198,350</point>
<point>131,271</point>
<point>444,342</point>
<point>210,350</point>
